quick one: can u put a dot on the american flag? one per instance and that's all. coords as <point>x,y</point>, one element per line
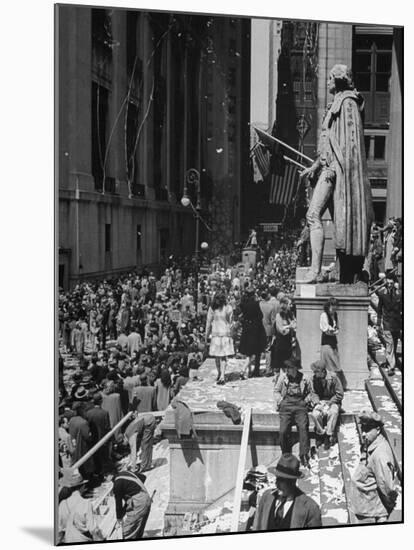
<point>283,186</point>
<point>261,157</point>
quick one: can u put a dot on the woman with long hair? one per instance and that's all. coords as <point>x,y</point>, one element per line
<point>253,336</point>
<point>329,343</point>
<point>163,389</point>
<point>285,325</point>
<point>218,325</point>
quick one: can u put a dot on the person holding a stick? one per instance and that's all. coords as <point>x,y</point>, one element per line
<point>132,501</point>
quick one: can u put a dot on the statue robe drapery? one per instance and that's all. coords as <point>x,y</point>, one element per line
<point>353,212</point>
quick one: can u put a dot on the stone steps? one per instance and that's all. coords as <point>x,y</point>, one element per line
<point>332,487</point>
<point>349,453</point>
<point>393,383</point>
<point>394,386</point>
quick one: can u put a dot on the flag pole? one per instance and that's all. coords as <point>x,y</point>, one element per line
<point>294,162</point>
<point>283,144</point>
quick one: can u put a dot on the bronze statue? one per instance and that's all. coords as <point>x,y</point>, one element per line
<point>342,184</point>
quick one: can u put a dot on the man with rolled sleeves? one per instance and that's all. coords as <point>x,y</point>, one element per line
<point>293,393</point>
<point>327,395</point>
<point>140,435</point>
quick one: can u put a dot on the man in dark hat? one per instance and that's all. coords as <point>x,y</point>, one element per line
<point>286,507</point>
<point>327,398</point>
<point>389,317</point>
<point>374,486</point>
<point>293,392</point>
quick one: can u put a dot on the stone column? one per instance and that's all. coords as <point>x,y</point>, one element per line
<point>145,145</point>
<point>119,91</point>
<point>394,184</point>
<point>74,77</point>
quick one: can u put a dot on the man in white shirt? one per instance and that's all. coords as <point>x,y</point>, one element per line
<point>134,341</point>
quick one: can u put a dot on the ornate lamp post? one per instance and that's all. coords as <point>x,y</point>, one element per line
<point>192,177</point>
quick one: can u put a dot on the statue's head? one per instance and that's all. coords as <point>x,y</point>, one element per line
<point>340,78</point>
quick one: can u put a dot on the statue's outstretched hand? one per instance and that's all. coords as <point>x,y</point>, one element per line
<point>308,173</point>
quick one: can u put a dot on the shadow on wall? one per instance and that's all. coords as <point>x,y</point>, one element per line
<point>191,450</point>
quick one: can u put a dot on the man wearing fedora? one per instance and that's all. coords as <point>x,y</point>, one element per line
<point>293,393</point>
<point>327,395</point>
<point>286,507</point>
<point>374,488</point>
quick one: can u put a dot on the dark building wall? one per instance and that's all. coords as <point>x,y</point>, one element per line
<point>121,74</point>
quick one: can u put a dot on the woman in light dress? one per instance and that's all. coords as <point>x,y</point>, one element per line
<point>219,320</point>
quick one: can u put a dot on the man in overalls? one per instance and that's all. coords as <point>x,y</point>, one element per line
<point>293,392</point>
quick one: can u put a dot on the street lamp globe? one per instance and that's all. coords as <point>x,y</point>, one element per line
<point>185,201</point>
<point>204,245</point>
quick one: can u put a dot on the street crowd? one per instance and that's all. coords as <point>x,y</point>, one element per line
<point>138,338</point>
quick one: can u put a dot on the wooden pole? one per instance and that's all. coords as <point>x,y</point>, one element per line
<point>240,471</point>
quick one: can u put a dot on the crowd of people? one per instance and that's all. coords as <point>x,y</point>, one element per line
<point>138,338</point>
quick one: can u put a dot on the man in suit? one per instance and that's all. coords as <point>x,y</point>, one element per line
<point>286,507</point>
<point>99,425</point>
<point>134,341</point>
<point>269,314</point>
<point>140,435</point>
<point>144,396</point>
<point>80,438</point>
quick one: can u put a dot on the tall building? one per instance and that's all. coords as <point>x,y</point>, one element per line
<point>306,53</point>
<point>141,98</point>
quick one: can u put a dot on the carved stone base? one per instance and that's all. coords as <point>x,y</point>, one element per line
<point>353,324</point>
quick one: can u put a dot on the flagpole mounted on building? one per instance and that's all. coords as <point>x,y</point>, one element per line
<point>264,135</point>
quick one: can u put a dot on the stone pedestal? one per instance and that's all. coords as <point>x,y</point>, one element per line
<point>249,256</point>
<point>203,470</point>
<point>352,321</point>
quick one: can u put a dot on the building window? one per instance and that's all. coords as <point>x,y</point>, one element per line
<point>372,72</point>
<point>134,63</point>
<point>375,145</point>
<point>138,238</point>
<point>107,237</point>
<point>379,147</point>
<point>102,42</point>
<point>367,140</point>
<point>302,90</point>
<point>99,116</point>
<point>131,137</point>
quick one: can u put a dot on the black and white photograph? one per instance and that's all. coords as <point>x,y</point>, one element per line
<point>228,274</point>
